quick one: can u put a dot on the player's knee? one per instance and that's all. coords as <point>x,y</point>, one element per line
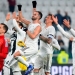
<point>36,70</point>
<point>17,54</point>
<point>47,73</point>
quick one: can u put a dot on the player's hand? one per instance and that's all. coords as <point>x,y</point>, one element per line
<point>19,7</point>
<point>34,3</point>
<point>71,39</point>
<point>55,20</point>
<point>66,23</point>
<point>8,17</point>
<point>21,44</point>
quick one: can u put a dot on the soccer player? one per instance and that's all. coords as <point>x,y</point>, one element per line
<point>47,42</point>
<point>72,38</point>
<point>31,41</point>
<point>3,44</point>
<point>16,36</point>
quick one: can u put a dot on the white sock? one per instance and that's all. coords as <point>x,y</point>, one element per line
<point>20,59</point>
<point>17,73</point>
<point>36,73</point>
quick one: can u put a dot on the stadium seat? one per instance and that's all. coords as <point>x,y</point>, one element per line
<point>44,9</point>
<point>28,9</point>
<point>73,9</point>
<point>21,2</point>
<point>2,17</point>
<point>29,2</point>
<point>69,3</point>
<point>62,3</point>
<point>39,2</point>
<point>52,9</point>
<point>68,9</point>
<point>54,3</point>
<point>46,2</point>
<point>38,8</point>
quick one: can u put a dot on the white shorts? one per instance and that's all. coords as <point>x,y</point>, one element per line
<point>15,67</point>
<point>29,53</point>
<point>43,62</point>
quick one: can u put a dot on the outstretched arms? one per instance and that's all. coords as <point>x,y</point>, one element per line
<point>21,16</point>
<point>60,28</point>
<point>16,25</point>
<point>67,24</point>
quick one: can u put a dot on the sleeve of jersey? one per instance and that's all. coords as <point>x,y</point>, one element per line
<point>63,32</point>
<point>17,27</point>
<point>10,32</point>
<point>55,44</point>
<point>4,50</point>
<point>72,31</point>
<point>52,31</point>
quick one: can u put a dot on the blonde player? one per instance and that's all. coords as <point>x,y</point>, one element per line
<point>31,41</point>
<point>16,36</point>
<point>72,38</point>
<point>44,56</point>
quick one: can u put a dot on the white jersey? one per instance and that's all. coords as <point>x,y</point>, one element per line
<point>32,43</point>
<point>45,48</point>
<point>20,34</point>
<point>15,36</point>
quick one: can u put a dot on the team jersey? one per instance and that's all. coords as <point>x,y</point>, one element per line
<point>17,36</point>
<point>3,50</point>
<point>32,43</point>
<point>46,48</point>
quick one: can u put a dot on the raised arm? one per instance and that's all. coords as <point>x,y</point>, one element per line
<point>21,16</point>
<point>34,4</point>
<point>16,25</point>
<point>60,28</point>
<point>33,34</point>
<point>67,24</point>
<point>8,17</point>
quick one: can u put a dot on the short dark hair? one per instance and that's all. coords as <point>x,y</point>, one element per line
<point>40,14</point>
<point>20,23</point>
<point>5,27</point>
<point>50,15</point>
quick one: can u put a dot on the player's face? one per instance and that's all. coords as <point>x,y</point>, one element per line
<point>2,30</point>
<point>48,19</point>
<point>35,16</point>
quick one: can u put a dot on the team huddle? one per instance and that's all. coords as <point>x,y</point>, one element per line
<point>24,42</point>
